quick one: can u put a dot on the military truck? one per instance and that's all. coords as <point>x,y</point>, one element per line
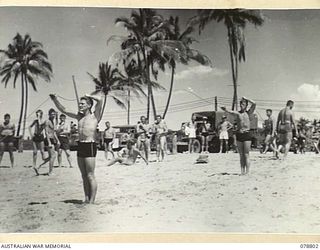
<point>214,118</point>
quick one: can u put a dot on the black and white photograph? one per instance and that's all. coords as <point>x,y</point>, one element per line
<point>156,120</point>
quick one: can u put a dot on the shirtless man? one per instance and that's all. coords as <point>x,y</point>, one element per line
<point>224,126</point>
<point>270,132</point>
<point>160,129</point>
<point>51,142</point>
<point>127,156</point>
<point>63,133</point>
<point>108,138</point>
<point>143,130</point>
<point>285,126</point>
<point>7,131</point>
<point>87,148</point>
<point>37,136</point>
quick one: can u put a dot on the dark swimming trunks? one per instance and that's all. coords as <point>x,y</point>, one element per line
<point>7,139</point>
<point>64,142</point>
<point>242,137</point>
<point>53,142</point>
<point>87,149</point>
<point>108,140</point>
<point>38,138</point>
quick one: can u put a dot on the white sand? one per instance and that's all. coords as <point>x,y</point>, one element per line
<point>174,196</point>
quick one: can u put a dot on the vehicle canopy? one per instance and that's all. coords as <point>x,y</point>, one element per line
<point>215,117</point>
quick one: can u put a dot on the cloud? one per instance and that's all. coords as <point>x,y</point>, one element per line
<point>199,70</point>
<point>307,92</point>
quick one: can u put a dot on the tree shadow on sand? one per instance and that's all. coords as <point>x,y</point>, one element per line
<point>224,173</point>
<point>5,167</point>
<point>37,203</point>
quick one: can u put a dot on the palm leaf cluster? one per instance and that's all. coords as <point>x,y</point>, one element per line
<point>155,43</point>
<point>26,59</point>
<point>235,21</point>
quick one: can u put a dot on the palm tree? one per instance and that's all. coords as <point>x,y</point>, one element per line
<point>27,59</point>
<point>131,81</point>
<point>147,32</point>
<point>191,54</point>
<point>235,20</point>
<point>107,83</point>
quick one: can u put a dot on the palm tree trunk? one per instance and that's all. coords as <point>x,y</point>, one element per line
<point>170,91</point>
<point>22,105</point>
<point>153,103</point>
<point>25,106</point>
<point>235,97</point>
<point>128,117</point>
<point>103,107</point>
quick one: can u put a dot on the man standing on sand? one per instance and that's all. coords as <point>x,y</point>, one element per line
<point>127,156</point>
<point>224,126</point>
<point>87,148</point>
<point>7,131</point>
<point>285,127</point>
<point>269,131</point>
<point>63,133</point>
<point>51,142</point>
<point>108,138</point>
<point>160,129</point>
<point>143,130</point>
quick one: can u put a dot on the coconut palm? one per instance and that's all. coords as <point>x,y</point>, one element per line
<point>147,32</point>
<point>26,59</point>
<point>191,54</point>
<point>107,83</point>
<point>235,20</point>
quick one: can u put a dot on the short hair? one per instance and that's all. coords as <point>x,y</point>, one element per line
<point>88,100</point>
<point>107,122</point>
<point>290,102</point>
<point>159,116</point>
<point>244,101</point>
<point>51,111</point>
<point>142,117</point>
<point>7,115</point>
<point>269,110</point>
<point>39,111</point>
<point>62,115</point>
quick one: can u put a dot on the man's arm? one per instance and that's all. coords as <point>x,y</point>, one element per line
<point>229,111</point>
<point>98,106</point>
<point>253,105</point>
<point>61,108</point>
<point>293,121</point>
<point>278,121</point>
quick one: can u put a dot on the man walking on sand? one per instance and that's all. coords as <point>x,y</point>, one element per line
<point>7,131</point>
<point>143,130</point>
<point>224,127</point>
<point>285,127</point>
<point>269,131</point>
<point>160,128</point>
<point>87,148</point>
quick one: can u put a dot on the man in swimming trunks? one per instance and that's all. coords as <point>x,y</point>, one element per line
<point>224,126</point>
<point>87,148</point>
<point>160,128</point>
<point>7,131</point>
<point>37,137</point>
<point>127,156</point>
<point>285,126</point>
<point>51,141</point>
<point>63,132</point>
<point>243,134</point>
<point>143,130</point>
<point>270,132</point>
<point>108,137</point>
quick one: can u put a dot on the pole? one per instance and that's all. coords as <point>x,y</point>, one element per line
<point>216,103</point>
<point>75,90</point>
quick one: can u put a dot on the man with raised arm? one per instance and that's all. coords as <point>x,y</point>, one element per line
<point>87,149</point>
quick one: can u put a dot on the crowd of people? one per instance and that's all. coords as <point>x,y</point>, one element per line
<point>52,134</point>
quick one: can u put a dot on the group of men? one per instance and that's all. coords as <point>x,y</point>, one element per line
<point>279,133</point>
<point>139,146</point>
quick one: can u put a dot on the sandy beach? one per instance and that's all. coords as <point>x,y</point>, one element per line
<point>173,196</point>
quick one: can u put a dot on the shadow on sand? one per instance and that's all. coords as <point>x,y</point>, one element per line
<point>217,174</point>
<point>5,167</point>
<point>37,203</point>
<point>73,201</point>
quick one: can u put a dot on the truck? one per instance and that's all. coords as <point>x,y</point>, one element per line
<point>214,118</point>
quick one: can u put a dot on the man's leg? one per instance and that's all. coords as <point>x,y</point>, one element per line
<point>114,160</point>
<point>241,154</point>
<point>34,155</point>
<point>59,157</point>
<point>203,143</point>
<point>266,143</point>
<point>227,147</point>
<point>287,145</point>
<point>68,154</point>
<point>163,141</point>
<point>246,150</point>
<point>146,149</point>
<point>221,145</point>
<point>52,158</point>
<point>85,181</point>
<point>10,150</point>
<point>1,150</point>
<point>90,164</point>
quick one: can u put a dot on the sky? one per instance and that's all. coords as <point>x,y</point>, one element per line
<point>282,62</point>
